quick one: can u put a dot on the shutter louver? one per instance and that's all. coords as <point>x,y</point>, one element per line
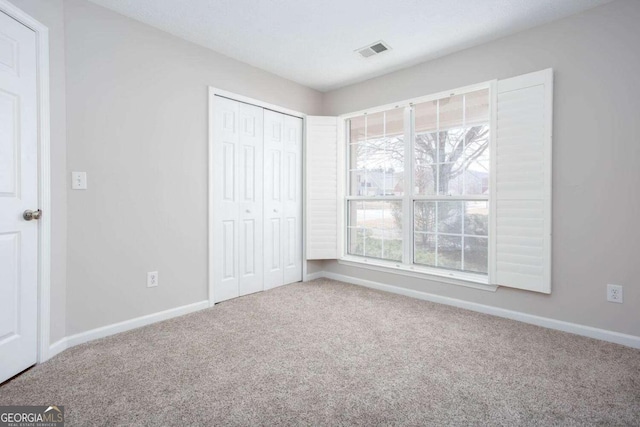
<point>322,187</point>
<point>523,182</point>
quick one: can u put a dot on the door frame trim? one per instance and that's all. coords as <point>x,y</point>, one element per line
<point>44,174</point>
<point>213,92</point>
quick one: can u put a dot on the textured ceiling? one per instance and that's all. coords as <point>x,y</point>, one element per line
<point>313,42</point>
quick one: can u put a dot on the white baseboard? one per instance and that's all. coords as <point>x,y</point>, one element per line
<point>56,348</point>
<point>313,276</point>
<point>126,325</point>
<point>574,328</point>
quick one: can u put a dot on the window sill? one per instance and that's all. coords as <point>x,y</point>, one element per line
<point>470,280</point>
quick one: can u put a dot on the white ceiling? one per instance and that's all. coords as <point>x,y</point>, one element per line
<point>313,42</point>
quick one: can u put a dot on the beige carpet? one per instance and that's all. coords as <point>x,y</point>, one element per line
<point>327,353</point>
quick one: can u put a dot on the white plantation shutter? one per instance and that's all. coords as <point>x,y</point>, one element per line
<point>522,210</point>
<point>322,187</point>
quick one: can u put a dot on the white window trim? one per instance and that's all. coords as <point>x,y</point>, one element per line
<point>476,281</point>
<point>418,100</point>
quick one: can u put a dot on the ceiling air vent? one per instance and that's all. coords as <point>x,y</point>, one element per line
<point>373,49</point>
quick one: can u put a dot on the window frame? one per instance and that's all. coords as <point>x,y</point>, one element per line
<point>407,265</point>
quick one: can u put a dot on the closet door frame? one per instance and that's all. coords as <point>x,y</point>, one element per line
<point>213,92</point>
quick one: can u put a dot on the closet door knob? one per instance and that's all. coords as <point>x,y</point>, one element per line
<point>248,211</point>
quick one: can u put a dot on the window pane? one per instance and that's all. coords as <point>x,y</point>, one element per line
<point>450,217</point>
<point>476,107</point>
<point>476,254</point>
<point>451,112</point>
<point>425,249</point>
<point>475,160</point>
<point>450,252</point>
<point>450,181</point>
<point>356,178</point>
<point>451,143</point>
<point>357,214</point>
<point>356,241</point>
<point>476,178</point>
<point>426,164</point>
<point>376,154</point>
<point>357,126</point>
<point>393,245</point>
<point>357,156</point>
<point>424,216</point>
<point>426,117</point>
<point>424,239</point>
<point>373,242</point>
<point>476,218</point>
<point>375,229</point>
<point>375,126</point>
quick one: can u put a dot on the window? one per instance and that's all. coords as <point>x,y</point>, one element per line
<point>456,185</point>
<point>376,185</point>
<point>418,183</point>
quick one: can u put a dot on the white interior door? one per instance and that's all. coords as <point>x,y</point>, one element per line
<point>18,192</point>
<point>273,198</point>
<point>250,200</point>
<point>292,176</point>
<point>237,199</point>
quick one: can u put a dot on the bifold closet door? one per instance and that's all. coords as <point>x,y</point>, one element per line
<point>237,199</point>
<point>282,199</point>
<point>292,199</point>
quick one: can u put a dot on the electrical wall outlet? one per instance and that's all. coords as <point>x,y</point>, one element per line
<point>152,279</point>
<point>614,293</point>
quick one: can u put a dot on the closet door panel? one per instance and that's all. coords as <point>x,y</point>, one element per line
<point>273,200</point>
<point>250,199</point>
<point>225,199</point>
<point>292,200</point>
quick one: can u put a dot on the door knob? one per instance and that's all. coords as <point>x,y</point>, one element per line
<point>29,215</point>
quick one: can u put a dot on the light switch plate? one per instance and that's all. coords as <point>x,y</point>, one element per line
<point>78,180</point>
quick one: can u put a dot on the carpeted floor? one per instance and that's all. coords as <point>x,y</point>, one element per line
<point>327,353</point>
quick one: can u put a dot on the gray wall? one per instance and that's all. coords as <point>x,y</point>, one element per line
<point>596,155</point>
<point>137,124</point>
<point>314,266</point>
<point>49,13</point>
